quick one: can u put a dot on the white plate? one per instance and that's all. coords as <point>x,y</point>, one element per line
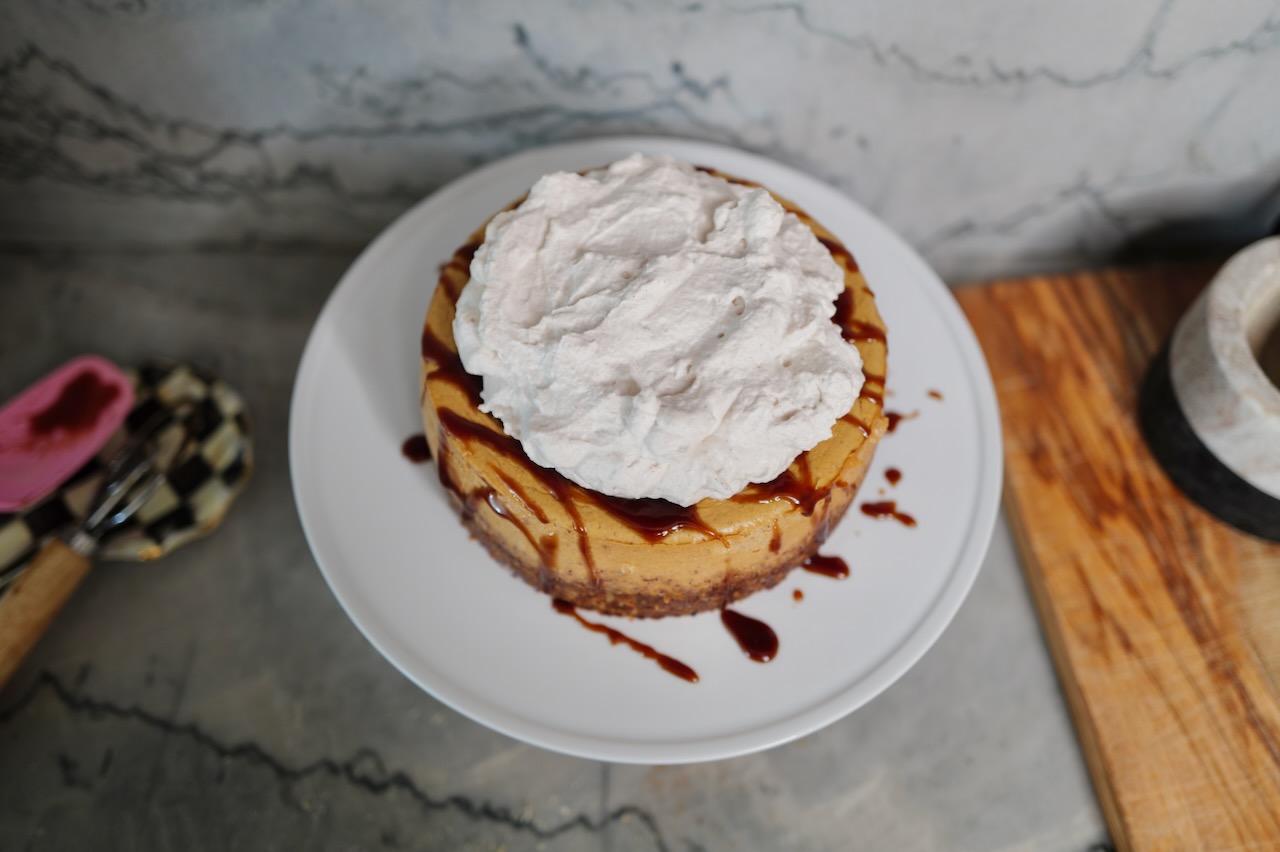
<point>464,629</point>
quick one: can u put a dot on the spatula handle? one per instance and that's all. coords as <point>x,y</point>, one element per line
<point>29,606</point>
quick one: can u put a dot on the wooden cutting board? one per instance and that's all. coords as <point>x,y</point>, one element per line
<point>1164,623</point>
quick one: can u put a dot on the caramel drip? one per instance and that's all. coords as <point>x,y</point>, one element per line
<point>522,497</point>
<point>858,331</point>
<point>876,396</point>
<point>853,420</point>
<point>839,252</point>
<point>796,488</point>
<point>755,638</point>
<point>561,490</point>
<point>887,509</point>
<point>852,329</point>
<point>544,545</point>
<point>469,431</point>
<point>855,330</point>
<point>893,475</point>
<point>460,262</point>
<point>742,181</point>
<point>416,449</point>
<point>446,366</point>
<point>827,566</point>
<point>895,417</point>
<point>617,637</point>
<point>653,520</point>
<point>444,469</point>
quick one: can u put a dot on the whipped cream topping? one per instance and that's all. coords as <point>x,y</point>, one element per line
<point>650,330</point>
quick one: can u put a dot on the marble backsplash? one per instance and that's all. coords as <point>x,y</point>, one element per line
<point>995,137</point>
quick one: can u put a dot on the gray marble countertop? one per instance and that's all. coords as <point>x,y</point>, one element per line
<point>220,699</point>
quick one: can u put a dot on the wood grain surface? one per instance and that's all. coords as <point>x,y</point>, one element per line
<point>1164,623</point>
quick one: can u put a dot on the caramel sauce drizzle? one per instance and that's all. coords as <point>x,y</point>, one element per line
<point>544,545</point>
<point>853,420</point>
<point>561,490</point>
<point>828,566</point>
<point>522,497</point>
<point>798,490</point>
<point>445,366</point>
<point>887,509</point>
<point>617,637</point>
<point>896,417</point>
<point>839,252</point>
<point>743,181</point>
<point>756,639</point>
<point>775,541</point>
<point>651,519</point>
<point>416,449</point>
<point>875,395</point>
<point>460,261</point>
<point>470,432</point>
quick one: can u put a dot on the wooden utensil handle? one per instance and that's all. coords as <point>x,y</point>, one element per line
<point>27,609</point>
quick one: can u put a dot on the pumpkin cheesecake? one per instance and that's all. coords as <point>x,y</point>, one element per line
<point>707,443</point>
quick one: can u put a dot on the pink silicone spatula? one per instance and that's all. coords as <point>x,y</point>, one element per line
<point>53,427</point>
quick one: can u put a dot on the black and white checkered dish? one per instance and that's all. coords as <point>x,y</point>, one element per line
<point>206,418</point>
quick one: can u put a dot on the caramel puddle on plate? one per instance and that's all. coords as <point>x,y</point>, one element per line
<point>756,639</point>
<point>415,449</point>
<point>887,509</point>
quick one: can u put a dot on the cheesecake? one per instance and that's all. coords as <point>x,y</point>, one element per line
<point>646,556</point>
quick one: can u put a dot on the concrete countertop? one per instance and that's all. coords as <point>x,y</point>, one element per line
<point>221,699</point>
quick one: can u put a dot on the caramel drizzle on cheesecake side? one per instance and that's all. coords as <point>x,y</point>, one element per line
<point>651,519</point>
<point>461,261</point>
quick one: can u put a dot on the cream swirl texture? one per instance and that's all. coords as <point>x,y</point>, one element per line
<point>650,330</point>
